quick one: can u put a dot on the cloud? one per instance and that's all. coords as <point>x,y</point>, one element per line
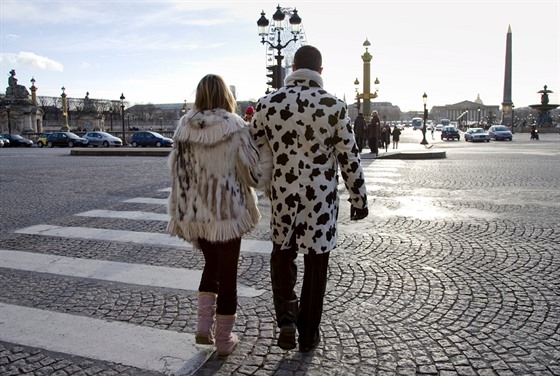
<point>29,59</point>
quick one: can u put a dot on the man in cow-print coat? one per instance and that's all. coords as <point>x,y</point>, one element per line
<point>309,134</point>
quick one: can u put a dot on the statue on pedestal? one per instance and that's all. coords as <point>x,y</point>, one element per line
<point>15,92</point>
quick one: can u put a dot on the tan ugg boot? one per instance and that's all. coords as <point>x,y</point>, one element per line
<point>225,339</point>
<point>206,318</point>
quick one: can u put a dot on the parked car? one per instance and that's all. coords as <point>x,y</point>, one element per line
<point>500,132</point>
<point>42,140</point>
<point>16,140</point>
<point>149,138</point>
<point>68,139</point>
<point>450,133</point>
<point>477,134</point>
<point>102,139</point>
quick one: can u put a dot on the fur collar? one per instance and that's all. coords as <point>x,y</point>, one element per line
<point>304,77</point>
<point>208,127</point>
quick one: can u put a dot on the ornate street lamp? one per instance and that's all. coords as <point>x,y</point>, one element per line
<point>366,95</point>
<point>122,114</point>
<point>9,124</point>
<point>425,99</point>
<point>278,19</point>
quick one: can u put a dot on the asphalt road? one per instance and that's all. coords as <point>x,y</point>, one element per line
<point>455,271</point>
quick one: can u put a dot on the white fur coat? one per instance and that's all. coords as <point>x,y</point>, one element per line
<point>214,164</point>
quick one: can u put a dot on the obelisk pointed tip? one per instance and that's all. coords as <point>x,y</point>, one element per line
<point>509,29</point>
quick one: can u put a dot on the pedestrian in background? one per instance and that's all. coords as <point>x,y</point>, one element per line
<point>360,131</point>
<point>214,164</point>
<point>249,112</point>
<point>309,134</point>
<point>396,137</point>
<point>373,133</point>
<point>385,136</point>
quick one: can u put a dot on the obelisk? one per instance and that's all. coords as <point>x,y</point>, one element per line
<point>507,104</point>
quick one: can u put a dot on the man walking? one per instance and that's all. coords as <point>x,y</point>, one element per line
<point>360,131</point>
<point>308,133</point>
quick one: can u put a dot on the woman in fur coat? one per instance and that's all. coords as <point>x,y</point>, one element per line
<point>214,164</point>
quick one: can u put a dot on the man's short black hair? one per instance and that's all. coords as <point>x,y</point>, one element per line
<point>308,57</point>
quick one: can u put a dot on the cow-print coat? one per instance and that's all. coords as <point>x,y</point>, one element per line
<point>307,131</point>
<point>214,163</point>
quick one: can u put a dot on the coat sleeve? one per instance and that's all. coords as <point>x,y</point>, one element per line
<point>348,157</point>
<point>254,164</point>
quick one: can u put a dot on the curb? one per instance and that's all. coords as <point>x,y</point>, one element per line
<point>121,152</point>
<point>157,152</point>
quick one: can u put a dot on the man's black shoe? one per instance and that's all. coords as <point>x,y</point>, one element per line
<point>287,337</point>
<point>306,347</point>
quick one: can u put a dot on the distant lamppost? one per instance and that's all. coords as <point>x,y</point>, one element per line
<point>9,124</point>
<point>425,99</point>
<point>512,118</point>
<point>278,19</point>
<point>184,109</point>
<point>111,116</point>
<point>478,118</point>
<point>161,124</point>
<point>122,119</point>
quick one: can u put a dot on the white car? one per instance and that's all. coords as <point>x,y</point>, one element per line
<point>439,127</point>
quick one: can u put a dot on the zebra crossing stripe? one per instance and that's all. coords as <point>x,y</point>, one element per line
<point>147,200</point>
<point>138,274</point>
<point>133,215</point>
<point>137,237</point>
<point>165,351</point>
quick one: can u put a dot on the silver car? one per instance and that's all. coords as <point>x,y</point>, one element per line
<point>102,139</point>
<point>500,132</point>
<point>477,134</point>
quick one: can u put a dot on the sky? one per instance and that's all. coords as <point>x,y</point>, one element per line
<point>157,51</point>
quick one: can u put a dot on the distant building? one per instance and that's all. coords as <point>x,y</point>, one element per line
<point>471,112</point>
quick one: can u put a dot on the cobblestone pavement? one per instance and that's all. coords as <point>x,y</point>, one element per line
<point>455,271</point>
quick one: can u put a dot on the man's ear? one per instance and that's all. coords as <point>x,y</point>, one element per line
<point>320,70</point>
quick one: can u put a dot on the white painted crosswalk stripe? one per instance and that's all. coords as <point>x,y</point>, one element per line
<point>134,215</point>
<point>165,351</point>
<point>137,237</point>
<point>147,200</point>
<point>138,274</point>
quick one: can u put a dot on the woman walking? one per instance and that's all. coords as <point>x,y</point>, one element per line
<point>396,137</point>
<point>214,164</point>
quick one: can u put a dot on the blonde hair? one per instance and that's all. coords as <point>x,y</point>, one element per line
<point>212,92</point>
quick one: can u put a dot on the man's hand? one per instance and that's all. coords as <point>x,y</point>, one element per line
<point>357,214</point>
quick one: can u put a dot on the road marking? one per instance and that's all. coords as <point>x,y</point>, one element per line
<point>137,237</point>
<point>134,215</point>
<point>165,351</point>
<point>148,200</point>
<point>138,274</point>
